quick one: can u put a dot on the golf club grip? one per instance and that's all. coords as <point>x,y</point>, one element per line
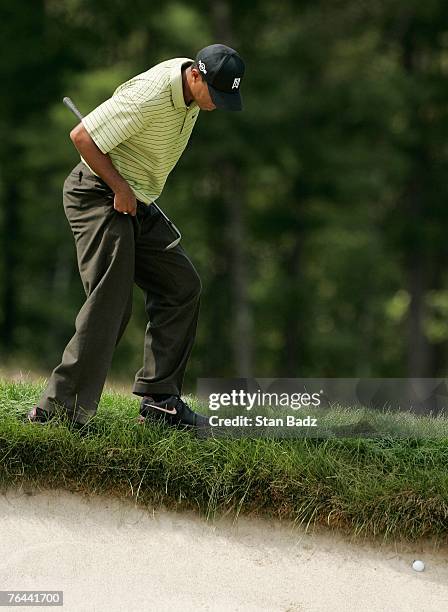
<point>71,106</point>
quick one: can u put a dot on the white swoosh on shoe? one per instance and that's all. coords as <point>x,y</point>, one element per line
<point>170,411</point>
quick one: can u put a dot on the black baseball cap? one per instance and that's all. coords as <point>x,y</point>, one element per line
<point>223,70</point>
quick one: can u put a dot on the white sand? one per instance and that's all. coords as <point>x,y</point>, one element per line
<point>108,555</point>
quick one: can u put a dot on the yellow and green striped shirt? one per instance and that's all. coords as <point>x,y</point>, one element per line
<point>145,127</point>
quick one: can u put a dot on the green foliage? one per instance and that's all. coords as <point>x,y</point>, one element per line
<point>337,163</point>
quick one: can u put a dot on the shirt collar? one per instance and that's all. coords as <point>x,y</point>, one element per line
<point>176,85</point>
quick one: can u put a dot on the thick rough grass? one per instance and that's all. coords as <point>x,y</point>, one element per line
<point>387,488</point>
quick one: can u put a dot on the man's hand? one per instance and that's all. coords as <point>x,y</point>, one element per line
<point>125,200</point>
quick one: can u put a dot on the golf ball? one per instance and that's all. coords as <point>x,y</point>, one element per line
<point>418,565</point>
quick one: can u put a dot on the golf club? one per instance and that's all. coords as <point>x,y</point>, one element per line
<point>71,106</point>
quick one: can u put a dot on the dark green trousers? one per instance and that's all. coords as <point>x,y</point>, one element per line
<point>115,250</point>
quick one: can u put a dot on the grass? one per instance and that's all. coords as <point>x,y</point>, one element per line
<point>388,488</point>
<point>336,421</point>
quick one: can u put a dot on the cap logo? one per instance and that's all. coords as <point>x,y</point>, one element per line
<point>236,83</point>
<point>202,67</point>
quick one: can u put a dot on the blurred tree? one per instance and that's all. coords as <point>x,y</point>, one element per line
<point>315,218</point>
<point>34,55</point>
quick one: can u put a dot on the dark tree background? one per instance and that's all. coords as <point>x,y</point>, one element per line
<point>316,217</point>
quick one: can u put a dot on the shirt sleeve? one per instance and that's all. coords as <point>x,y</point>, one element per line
<point>115,120</point>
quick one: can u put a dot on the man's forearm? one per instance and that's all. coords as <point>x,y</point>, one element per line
<point>100,162</point>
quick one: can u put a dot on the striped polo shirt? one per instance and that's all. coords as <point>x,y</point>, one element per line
<point>145,126</point>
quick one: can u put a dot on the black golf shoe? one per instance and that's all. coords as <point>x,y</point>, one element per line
<point>171,411</point>
<point>40,417</point>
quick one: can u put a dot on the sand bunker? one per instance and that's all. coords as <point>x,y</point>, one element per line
<point>108,555</point>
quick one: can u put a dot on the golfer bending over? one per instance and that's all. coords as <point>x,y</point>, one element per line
<point>128,146</point>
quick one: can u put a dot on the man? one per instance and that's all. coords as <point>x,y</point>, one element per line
<point>128,145</point>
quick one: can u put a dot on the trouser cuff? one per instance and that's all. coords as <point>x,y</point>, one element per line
<point>81,415</point>
<point>148,388</point>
